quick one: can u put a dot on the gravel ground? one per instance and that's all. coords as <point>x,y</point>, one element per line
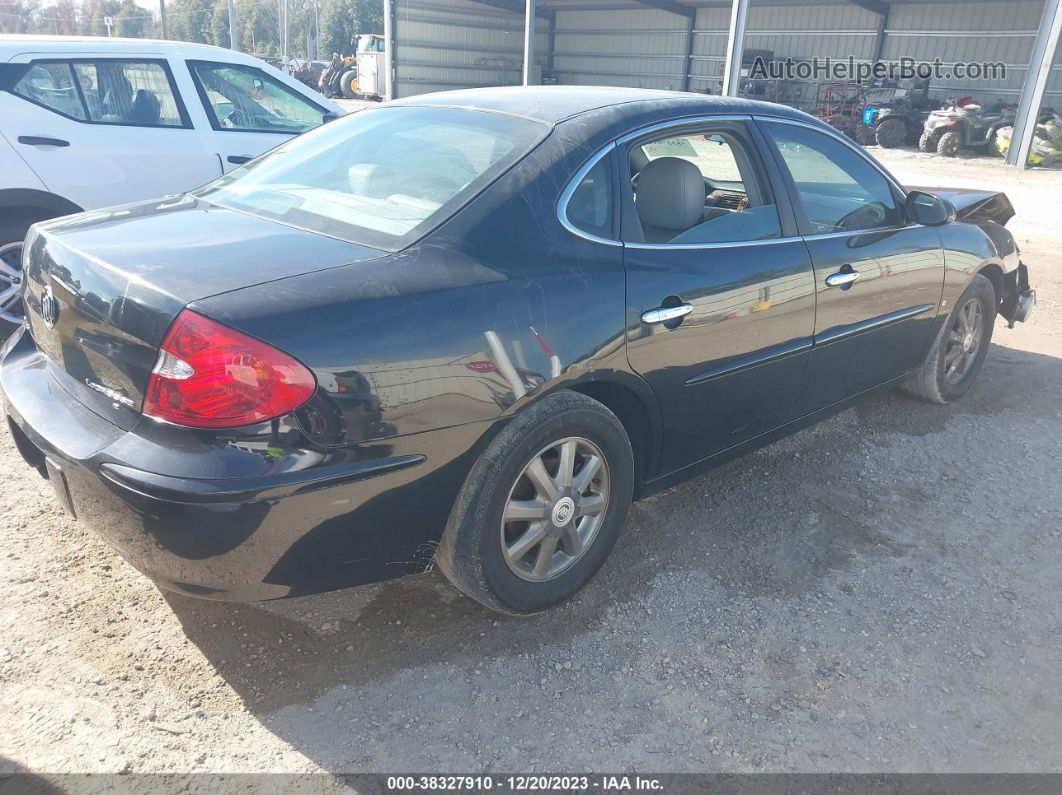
<point>878,593</point>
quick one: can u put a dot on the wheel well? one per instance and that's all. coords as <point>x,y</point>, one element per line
<point>632,413</point>
<point>994,274</point>
<point>34,205</point>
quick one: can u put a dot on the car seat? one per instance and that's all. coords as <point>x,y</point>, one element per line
<point>670,198</point>
<point>146,108</point>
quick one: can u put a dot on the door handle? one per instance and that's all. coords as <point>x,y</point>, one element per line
<point>662,314</point>
<point>239,160</point>
<point>42,140</point>
<point>842,278</point>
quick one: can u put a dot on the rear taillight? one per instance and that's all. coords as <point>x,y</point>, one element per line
<point>210,376</point>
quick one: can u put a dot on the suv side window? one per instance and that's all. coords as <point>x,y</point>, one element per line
<point>128,92</point>
<point>590,205</point>
<point>244,98</point>
<point>701,188</point>
<point>839,190</point>
<point>52,86</point>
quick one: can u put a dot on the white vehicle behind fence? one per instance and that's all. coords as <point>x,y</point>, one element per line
<point>91,122</point>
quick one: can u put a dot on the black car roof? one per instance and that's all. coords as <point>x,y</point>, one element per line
<point>554,104</point>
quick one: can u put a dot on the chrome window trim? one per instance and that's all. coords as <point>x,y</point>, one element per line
<point>663,125</point>
<point>566,195</point>
<point>770,241</point>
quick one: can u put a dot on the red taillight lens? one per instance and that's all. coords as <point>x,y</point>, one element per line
<point>210,376</point>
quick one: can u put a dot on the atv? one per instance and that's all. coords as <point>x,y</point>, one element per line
<point>964,124</point>
<point>896,112</point>
<point>841,106</point>
<point>1046,146</point>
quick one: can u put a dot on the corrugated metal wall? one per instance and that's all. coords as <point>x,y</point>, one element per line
<point>458,43</point>
<point>970,31</point>
<point>447,44</point>
<point>641,48</point>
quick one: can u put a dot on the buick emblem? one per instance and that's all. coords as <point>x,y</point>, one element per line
<point>49,307</point>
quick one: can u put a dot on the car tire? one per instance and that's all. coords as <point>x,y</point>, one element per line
<point>12,232</point>
<point>346,84</point>
<point>949,144</point>
<point>490,557</point>
<point>928,142</point>
<point>891,133</point>
<point>954,360</point>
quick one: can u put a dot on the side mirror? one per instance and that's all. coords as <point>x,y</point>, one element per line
<point>330,116</point>
<point>929,210</point>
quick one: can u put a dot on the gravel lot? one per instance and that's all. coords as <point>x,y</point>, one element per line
<point>878,593</point>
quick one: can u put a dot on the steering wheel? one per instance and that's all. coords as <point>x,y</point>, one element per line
<point>865,217</point>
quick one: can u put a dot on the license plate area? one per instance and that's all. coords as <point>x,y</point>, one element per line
<point>58,481</point>
<point>30,453</point>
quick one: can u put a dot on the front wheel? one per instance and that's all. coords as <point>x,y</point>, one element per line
<point>928,142</point>
<point>542,507</point>
<point>949,144</point>
<point>348,84</point>
<point>960,347</point>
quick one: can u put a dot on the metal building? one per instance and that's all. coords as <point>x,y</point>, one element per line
<point>435,45</point>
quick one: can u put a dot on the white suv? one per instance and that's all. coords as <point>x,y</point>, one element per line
<point>91,122</point>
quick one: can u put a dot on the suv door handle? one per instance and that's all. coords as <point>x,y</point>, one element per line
<point>239,160</point>
<point>841,278</point>
<point>41,140</point>
<point>662,314</point>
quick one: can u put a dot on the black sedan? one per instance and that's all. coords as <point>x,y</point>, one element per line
<point>467,329</point>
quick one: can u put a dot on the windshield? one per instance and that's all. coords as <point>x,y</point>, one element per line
<point>381,177</point>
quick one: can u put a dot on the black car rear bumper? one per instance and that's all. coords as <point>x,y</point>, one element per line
<point>236,538</point>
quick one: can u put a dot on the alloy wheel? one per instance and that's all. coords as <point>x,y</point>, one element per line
<point>555,509</point>
<point>964,341</point>
<point>11,282</point>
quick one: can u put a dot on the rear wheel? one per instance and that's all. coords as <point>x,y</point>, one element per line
<point>960,347</point>
<point>891,133</point>
<point>542,507</point>
<point>949,144</point>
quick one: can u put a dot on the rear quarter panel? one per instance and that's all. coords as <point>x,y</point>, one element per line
<point>496,307</point>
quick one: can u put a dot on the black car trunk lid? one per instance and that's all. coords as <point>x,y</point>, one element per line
<point>102,288</point>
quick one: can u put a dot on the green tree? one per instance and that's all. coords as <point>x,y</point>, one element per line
<point>259,28</point>
<point>189,20</point>
<point>131,20</point>
<point>342,20</point>
<point>219,24</point>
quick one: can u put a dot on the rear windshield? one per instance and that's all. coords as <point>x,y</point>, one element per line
<point>380,177</point>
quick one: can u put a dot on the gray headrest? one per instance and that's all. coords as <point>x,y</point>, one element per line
<point>670,193</point>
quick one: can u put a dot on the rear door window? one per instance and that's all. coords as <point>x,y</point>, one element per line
<point>701,188</point>
<point>128,92</point>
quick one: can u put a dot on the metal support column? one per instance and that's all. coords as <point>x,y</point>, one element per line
<point>687,64</point>
<point>1032,92</point>
<point>529,41</point>
<point>551,38</point>
<point>735,48</point>
<point>879,38</point>
<point>390,77</point>
<point>234,28</point>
